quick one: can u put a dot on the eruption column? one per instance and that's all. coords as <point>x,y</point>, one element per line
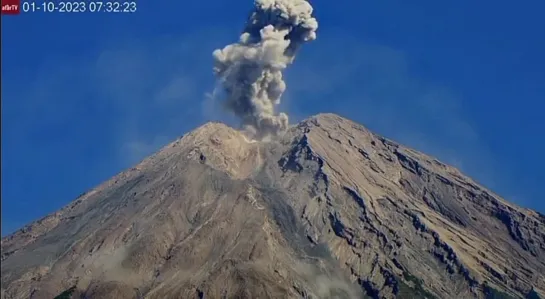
<point>250,71</point>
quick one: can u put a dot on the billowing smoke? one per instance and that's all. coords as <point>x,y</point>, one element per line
<point>250,71</point>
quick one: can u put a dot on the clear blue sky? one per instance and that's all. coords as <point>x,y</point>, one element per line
<point>85,96</point>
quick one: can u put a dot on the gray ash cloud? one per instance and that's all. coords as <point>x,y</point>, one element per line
<point>250,71</point>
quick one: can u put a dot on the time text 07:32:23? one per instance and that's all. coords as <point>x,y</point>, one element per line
<point>79,6</point>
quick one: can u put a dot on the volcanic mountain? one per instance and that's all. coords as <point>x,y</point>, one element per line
<point>329,210</point>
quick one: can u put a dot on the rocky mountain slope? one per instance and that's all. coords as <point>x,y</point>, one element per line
<point>330,210</point>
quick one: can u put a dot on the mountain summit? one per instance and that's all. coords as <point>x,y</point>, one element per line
<point>330,210</point>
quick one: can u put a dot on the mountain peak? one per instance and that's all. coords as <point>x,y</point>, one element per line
<point>327,209</point>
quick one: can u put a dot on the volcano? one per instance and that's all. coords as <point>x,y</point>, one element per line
<point>327,210</point>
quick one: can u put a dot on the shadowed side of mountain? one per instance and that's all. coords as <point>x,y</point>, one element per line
<point>430,220</point>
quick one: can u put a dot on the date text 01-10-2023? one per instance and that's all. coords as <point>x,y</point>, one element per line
<point>80,6</point>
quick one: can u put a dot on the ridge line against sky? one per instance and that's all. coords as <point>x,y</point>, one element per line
<point>86,96</point>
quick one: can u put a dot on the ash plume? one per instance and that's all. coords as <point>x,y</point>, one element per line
<point>250,71</point>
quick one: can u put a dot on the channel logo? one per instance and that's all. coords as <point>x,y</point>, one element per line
<point>11,7</point>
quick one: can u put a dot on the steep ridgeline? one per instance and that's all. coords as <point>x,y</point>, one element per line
<point>329,211</point>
